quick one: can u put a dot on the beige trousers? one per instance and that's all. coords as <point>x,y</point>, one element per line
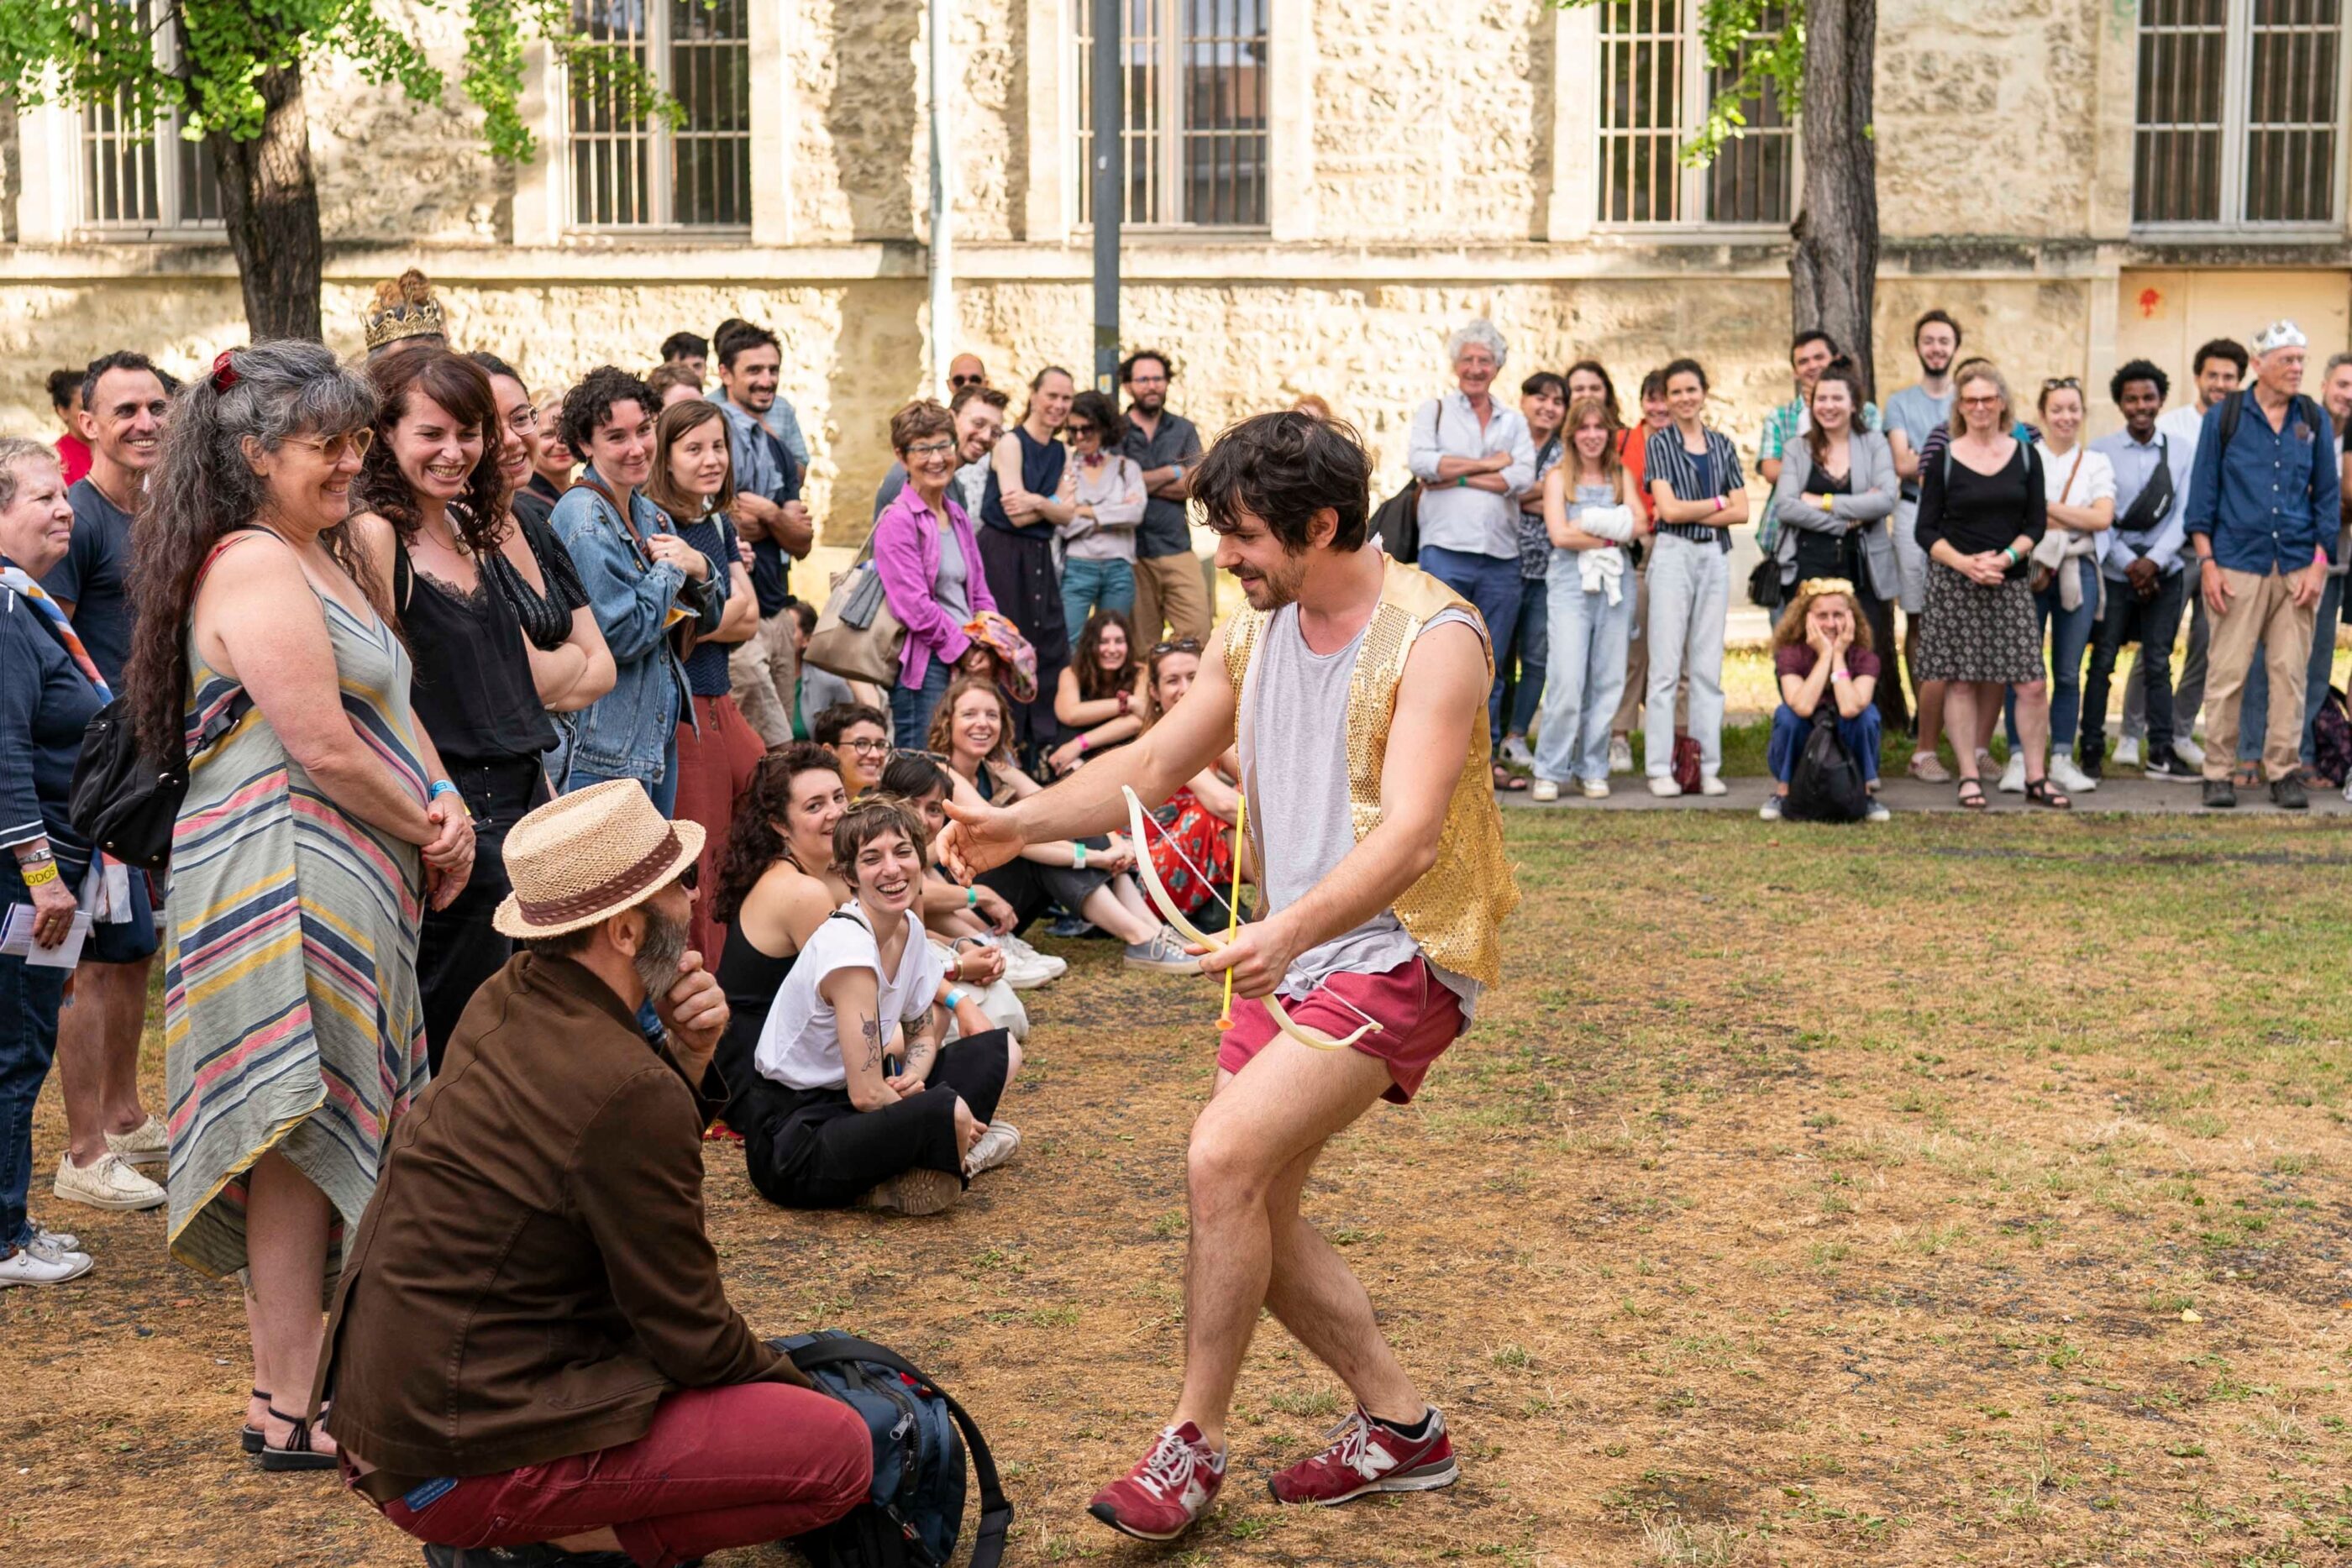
<point>1167,588</point>
<point>2262,610</point>
<point>765,675</point>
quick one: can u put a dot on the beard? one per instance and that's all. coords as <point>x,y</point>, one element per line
<point>660,953</point>
<point>1272,591</point>
<point>1936,365</point>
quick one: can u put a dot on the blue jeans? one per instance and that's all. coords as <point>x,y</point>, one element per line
<point>1860,734</point>
<point>2069,633</point>
<point>29,1040</point>
<point>1091,585</point>
<point>1522,663</point>
<point>2254,710</point>
<point>1584,678</point>
<point>910,707</point>
<point>1492,583</point>
<point>664,794</point>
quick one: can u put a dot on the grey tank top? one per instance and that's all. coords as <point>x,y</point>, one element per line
<point>948,588</point>
<point>1298,761</point>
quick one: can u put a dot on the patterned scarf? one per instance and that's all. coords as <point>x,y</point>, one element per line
<point>13,577</point>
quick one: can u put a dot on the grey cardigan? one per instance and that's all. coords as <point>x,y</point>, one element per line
<point>1875,488</point>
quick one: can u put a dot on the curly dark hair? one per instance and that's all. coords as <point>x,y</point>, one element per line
<point>1094,682</point>
<point>204,487</point>
<point>586,405</point>
<point>462,389</point>
<point>1284,468</point>
<point>753,844</point>
<point>2132,370</point>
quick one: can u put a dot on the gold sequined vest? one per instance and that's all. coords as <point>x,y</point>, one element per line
<point>1456,909</point>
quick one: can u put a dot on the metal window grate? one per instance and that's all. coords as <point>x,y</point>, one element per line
<point>1194,112</point>
<point>2237,103</point>
<point>137,172</point>
<point>630,170</point>
<point>1654,85</point>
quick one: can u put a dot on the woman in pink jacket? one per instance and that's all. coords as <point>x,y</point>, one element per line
<point>930,565</point>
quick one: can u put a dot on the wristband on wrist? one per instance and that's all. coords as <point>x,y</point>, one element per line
<point>38,874</point>
<point>1462,481</point>
<point>1827,503</point>
<point>971,897</point>
<point>440,787</point>
<point>1082,745</point>
<point>1078,860</point>
<point>1718,503</point>
<point>955,997</point>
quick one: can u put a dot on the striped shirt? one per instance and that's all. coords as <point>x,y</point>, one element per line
<point>1666,459</point>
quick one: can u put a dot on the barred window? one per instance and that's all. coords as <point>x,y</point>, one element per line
<point>1194,115</point>
<point>1655,88</point>
<point>137,172</point>
<point>2239,110</point>
<point>630,170</point>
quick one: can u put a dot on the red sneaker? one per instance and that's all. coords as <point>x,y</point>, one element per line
<point>1162,1497</point>
<point>1367,1457</point>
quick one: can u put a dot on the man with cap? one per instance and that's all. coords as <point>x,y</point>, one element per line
<point>2261,518</point>
<point>531,1357</point>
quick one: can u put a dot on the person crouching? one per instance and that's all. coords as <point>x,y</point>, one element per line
<point>530,1345</point>
<point>1821,654</point>
<point>874,1108</point>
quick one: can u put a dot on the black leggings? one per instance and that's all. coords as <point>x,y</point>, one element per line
<point>457,947</point>
<point>822,1151</point>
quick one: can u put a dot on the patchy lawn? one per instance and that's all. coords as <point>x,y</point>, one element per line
<point>1958,1191</point>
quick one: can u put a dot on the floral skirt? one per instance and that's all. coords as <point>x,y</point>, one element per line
<point>1978,634</point>
<point>1194,843</point>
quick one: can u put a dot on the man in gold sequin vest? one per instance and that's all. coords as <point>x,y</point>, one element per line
<point>1356,689</point>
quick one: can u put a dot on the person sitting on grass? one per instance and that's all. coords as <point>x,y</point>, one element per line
<point>532,1358</point>
<point>972,728</point>
<point>859,737</point>
<point>1822,652</point>
<point>970,920</point>
<point>1194,852</point>
<point>871,1108</point>
<point>1100,696</point>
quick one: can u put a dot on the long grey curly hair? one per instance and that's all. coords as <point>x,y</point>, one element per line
<point>203,488</point>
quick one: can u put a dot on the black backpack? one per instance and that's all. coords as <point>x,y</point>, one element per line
<point>915,1513</point>
<point>1396,523</point>
<point>1826,785</point>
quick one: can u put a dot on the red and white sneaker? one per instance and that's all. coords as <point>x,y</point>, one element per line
<point>1367,1457</point>
<point>1160,1497</point>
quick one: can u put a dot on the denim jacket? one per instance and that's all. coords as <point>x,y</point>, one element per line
<point>625,732</point>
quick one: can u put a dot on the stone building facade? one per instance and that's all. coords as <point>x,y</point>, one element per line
<point>1339,183</point>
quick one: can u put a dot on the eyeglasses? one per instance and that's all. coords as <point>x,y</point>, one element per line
<point>932,449</point>
<point>1177,645</point>
<point>1993,402</point>
<point>867,747</point>
<point>523,421</point>
<point>691,877</point>
<point>333,448</point>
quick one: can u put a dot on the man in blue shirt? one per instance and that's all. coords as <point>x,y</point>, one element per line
<point>769,515</point>
<point>2263,503</point>
<point>2146,587</point>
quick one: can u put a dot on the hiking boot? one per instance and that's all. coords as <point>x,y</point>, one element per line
<point>2221,795</point>
<point>2288,795</point>
<point>917,1192</point>
<point>1165,952</point>
<point>148,1144</point>
<point>108,1184</point>
<point>1368,1455</point>
<point>1162,1497</point>
<point>996,1145</point>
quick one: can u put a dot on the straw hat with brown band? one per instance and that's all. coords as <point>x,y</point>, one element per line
<point>585,857</point>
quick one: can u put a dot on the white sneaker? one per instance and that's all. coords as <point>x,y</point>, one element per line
<point>2127,752</point>
<point>1878,813</point>
<point>35,1264</point>
<point>1514,751</point>
<point>1545,792</point>
<point>996,1145</point>
<point>1621,755</point>
<point>1770,811</point>
<point>1709,784</point>
<point>2071,780</point>
<point>2189,751</point>
<point>148,1144</point>
<point>1663,786</point>
<point>1025,975</point>
<point>108,1184</point>
<point>2012,777</point>
<point>1593,788</point>
<point>55,1241</point>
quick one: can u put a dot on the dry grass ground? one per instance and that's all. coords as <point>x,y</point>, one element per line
<point>1956,1192</point>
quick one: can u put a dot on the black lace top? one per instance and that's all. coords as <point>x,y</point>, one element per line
<point>546,618</point>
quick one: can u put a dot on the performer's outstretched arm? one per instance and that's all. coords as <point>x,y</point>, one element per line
<point>1186,739</point>
<point>1441,695</point>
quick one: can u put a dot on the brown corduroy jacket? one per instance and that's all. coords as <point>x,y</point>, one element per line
<point>532,1276</point>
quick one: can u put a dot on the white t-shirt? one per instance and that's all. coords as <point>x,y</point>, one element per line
<point>800,1046</point>
<point>2183,425</point>
<point>2094,480</point>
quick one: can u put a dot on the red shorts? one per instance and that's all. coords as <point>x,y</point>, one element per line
<point>1417,1015</point>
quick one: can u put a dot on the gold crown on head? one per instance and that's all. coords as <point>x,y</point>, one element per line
<point>404,307</point>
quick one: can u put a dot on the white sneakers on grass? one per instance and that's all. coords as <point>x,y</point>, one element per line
<point>1026,968</point>
<point>109,1183</point>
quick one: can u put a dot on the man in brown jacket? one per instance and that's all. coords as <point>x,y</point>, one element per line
<point>531,1346</point>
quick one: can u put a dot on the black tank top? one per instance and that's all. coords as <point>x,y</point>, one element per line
<point>473,691</point>
<point>1041,475</point>
<point>750,979</point>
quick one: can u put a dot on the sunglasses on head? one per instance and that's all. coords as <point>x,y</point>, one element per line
<point>1177,645</point>
<point>2056,383</point>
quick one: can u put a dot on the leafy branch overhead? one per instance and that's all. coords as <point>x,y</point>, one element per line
<point>1761,42</point>
<point>77,52</point>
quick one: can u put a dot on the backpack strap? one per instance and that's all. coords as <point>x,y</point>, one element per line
<point>995,1509</point>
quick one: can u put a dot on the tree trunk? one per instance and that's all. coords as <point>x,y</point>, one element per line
<point>1833,271</point>
<point>269,203</point>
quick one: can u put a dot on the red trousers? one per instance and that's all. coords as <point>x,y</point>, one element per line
<point>714,769</point>
<point>719,1468</point>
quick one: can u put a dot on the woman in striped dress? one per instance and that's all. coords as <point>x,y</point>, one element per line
<point>317,826</point>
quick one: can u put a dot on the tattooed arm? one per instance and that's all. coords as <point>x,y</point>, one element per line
<point>858,1022</point>
<point>922,1051</point>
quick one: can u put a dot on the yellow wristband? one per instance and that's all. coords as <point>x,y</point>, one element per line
<point>39,873</point>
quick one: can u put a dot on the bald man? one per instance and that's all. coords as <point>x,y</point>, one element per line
<point>966,371</point>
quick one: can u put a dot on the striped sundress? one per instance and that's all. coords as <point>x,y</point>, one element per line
<point>291,1018</point>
